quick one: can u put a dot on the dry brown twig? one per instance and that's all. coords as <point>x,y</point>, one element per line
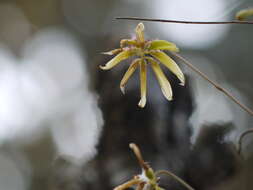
<point>216,85</point>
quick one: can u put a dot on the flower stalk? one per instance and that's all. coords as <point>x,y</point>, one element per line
<point>170,174</point>
<point>216,85</point>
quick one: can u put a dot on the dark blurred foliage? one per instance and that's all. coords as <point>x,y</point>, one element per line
<point>214,160</point>
<point>42,13</point>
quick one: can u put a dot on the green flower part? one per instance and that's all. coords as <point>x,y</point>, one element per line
<point>148,52</point>
<point>244,14</point>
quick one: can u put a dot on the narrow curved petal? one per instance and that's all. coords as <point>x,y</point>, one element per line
<point>164,83</point>
<point>128,74</point>
<point>117,59</point>
<point>113,52</point>
<point>163,45</point>
<point>143,80</point>
<point>170,64</point>
<point>139,30</point>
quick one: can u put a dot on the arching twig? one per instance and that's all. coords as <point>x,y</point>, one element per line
<point>217,86</point>
<point>175,177</point>
<point>183,21</point>
<point>241,139</point>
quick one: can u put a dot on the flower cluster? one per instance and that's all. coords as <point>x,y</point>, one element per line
<point>147,52</point>
<point>146,180</point>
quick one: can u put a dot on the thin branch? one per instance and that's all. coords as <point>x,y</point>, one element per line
<point>175,177</point>
<point>241,138</point>
<point>218,87</point>
<point>183,21</point>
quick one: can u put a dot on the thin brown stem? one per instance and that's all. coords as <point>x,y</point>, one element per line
<point>183,21</point>
<point>175,177</point>
<point>241,139</point>
<point>217,86</point>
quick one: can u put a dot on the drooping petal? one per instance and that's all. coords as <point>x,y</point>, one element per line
<point>139,30</point>
<point>164,83</point>
<point>170,64</point>
<point>143,81</point>
<point>128,74</point>
<point>117,59</point>
<point>163,45</point>
<point>113,52</point>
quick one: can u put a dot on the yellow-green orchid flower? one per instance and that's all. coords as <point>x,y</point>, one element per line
<point>147,53</point>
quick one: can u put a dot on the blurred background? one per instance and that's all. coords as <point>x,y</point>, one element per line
<point>64,124</point>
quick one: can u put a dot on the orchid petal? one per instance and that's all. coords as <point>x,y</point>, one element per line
<point>128,74</point>
<point>139,30</point>
<point>143,81</point>
<point>117,59</point>
<point>163,45</point>
<point>163,82</point>
<point>170,64</point>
